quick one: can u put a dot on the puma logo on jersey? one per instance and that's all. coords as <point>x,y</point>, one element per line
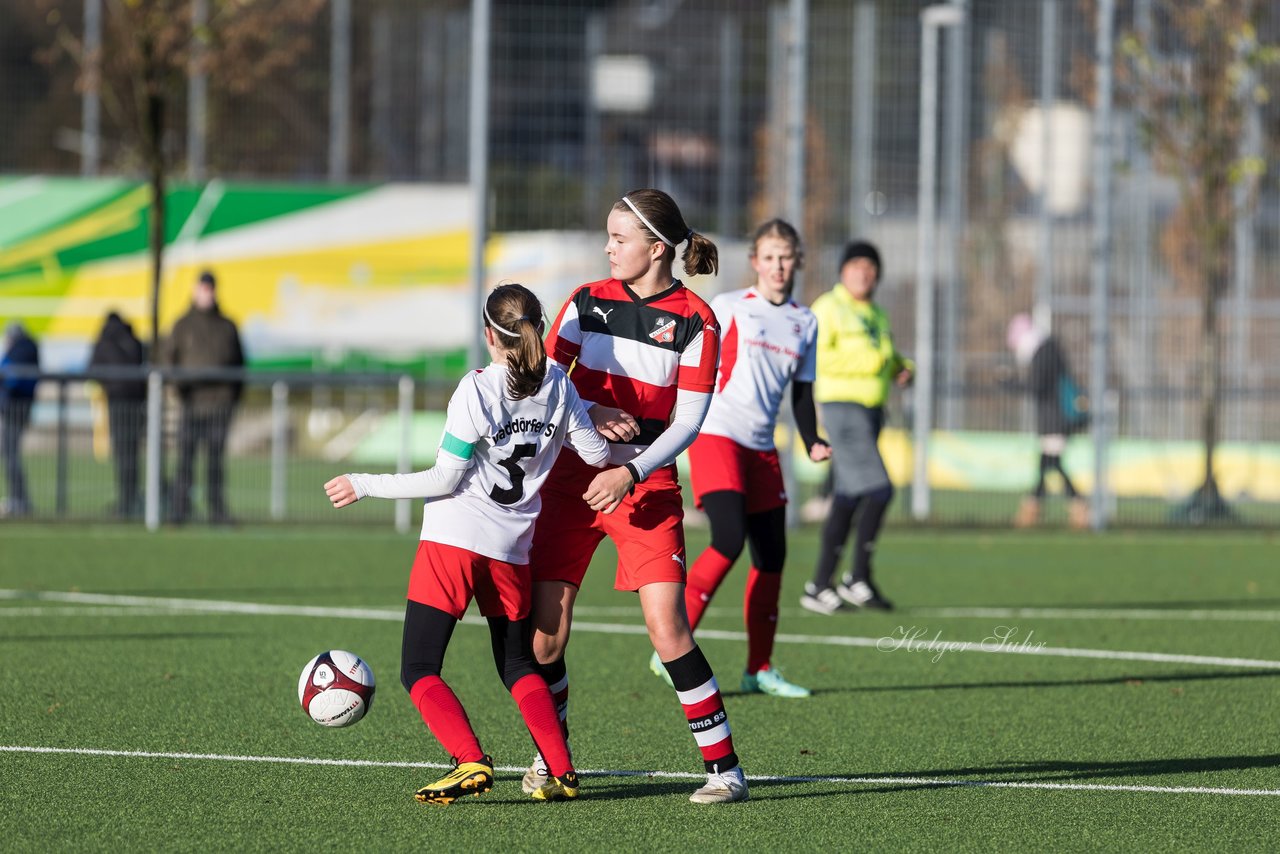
<point>595,309</point>
<point>678,559</point>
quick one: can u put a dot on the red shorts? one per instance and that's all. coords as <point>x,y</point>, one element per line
<point>447,578</point>
<point>719,464</point>
<point>647,529</point>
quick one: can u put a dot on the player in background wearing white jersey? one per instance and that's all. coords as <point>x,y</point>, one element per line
<point>505,426</point>
<point>643,349</point>
<point>767,340</point>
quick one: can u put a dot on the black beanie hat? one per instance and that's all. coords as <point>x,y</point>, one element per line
<point>862,249</point>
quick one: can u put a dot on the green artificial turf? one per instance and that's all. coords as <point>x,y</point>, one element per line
<point>901,730</point>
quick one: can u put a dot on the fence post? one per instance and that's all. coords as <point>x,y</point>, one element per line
<point>61,477</point>
<point>279,448</point>
<point>404,459</point>
<point>91,100</point>
<point>933,19</point>
<point>339,90</point>
<point>155,456</point>
<point>478,169</point>
<point>1100,272</point>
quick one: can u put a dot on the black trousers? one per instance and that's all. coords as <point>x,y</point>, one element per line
<point>206,428</point>
<point>125,420</point>
<point>15,415</point>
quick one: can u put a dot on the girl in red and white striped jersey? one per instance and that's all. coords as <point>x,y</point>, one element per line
<point>768,341</point>
<point>643,351</point>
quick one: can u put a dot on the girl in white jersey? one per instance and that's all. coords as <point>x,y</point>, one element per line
<point>767,341</point>
<point>505,426</point>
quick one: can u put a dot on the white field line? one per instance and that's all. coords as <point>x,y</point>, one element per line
<point>209,605</point>
<point>887,643</point>
<point>1170,614</point>
<point>680,775</point>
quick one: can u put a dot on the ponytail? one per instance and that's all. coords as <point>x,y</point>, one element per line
<point>701,258</point>
<point>515,316</point>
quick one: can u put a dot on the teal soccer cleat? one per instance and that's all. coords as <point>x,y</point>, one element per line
<point>773,683</point>
<point>655,666</point>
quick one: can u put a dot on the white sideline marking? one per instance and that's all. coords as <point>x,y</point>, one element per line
<point>1171,614</point>
<point>681,775</point>
<point>211,606</point>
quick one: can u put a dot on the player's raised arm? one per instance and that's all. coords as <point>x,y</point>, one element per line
<point>453,458</point>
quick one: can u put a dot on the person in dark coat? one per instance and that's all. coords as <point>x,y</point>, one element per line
<point>204,338</point>
<point>16,397</point>
<point>118,347</point>
<point>1060,411</point>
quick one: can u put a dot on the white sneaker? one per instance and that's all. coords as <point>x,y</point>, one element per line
<point>862,595</point>
<point>723,787</point>
<point>823,601</point>
<point>536,777</point>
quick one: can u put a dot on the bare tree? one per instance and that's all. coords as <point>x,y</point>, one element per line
<point>149,49</point>
<point>1192,80</point>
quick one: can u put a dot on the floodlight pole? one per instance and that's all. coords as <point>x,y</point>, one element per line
<point>478,170</point>
<point>932,19</point>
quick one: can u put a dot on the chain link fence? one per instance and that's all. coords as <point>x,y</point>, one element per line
<point>813,110</point>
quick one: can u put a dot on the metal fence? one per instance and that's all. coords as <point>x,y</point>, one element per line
<point>88,458</point>
<point>999,152</point>
<point>91,457</point>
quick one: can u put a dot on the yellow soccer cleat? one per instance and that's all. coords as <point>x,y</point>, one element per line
<point>467,778</point>
<point>558,788</point>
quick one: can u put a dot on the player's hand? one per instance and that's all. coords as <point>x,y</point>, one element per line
<point>608,489</point>
<point>904,377</point>
<point>820,451</point>
<point>614,424</point>
<point>340,491</point>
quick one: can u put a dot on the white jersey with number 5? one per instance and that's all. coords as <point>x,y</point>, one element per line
<point>511,445</point>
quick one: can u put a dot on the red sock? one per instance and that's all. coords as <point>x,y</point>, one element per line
<point>539,713</point>
<point>701,582</point>
<point>760,613</point>
<point>446,718</point>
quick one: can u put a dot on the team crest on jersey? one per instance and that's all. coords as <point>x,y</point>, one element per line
<point>664,330</point>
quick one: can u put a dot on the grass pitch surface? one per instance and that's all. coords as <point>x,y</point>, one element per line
<point>1115,692</point>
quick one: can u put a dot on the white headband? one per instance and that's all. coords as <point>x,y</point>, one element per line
<point>494,323</point>
<point>635,210</point>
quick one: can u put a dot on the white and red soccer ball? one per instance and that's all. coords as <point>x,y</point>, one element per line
<point>336,688</point>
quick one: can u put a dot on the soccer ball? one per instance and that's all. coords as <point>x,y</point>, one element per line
<point>336,688</point>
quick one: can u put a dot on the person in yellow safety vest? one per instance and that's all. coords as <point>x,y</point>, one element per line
<point>857,363</point>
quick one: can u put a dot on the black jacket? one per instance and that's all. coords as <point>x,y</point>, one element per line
<point>22,353</point>
<point>205,339</point>
<point>1061,408</point>
<point>117,346</point>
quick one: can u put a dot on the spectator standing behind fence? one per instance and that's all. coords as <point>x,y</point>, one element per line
<point>204,338</point>
<point>856,364</point>
<point>1061,410</point>
<point>118,348</point>
<point>16,397</point>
